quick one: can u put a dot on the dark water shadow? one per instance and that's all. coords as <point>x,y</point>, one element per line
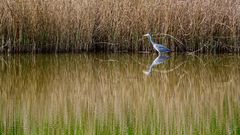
<point>159,60</point>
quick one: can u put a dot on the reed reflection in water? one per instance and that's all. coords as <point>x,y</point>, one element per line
<point>109,94</point>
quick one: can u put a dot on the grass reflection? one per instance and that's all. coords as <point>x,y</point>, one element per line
<point>108,94</point>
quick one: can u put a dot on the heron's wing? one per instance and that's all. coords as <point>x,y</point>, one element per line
<point>162,48</point>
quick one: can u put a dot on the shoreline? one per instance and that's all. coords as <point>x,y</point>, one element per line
<point>97,49</point>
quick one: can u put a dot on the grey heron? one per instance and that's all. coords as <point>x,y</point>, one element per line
<point>158,47</point>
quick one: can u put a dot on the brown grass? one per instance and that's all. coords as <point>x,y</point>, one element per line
<point>73,25</point>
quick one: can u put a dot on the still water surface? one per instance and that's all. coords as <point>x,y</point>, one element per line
<point>119,94</point>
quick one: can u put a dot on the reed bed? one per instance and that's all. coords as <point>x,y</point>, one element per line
<point>110,25</point>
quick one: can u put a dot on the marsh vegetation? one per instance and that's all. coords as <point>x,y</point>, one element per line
<point>110,25</point>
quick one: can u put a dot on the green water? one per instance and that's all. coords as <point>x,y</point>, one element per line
<point>119,94</point>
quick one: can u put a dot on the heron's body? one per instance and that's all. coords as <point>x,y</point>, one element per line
<point>158,47</point>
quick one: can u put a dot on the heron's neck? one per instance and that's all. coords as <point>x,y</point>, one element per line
<point>150,38</point>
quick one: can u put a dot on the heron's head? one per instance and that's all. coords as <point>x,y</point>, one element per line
<point>146,35</point>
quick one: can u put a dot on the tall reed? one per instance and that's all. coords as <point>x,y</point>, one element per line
<point>73,25</point>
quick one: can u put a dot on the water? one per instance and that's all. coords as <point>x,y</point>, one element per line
<point>119,94</point>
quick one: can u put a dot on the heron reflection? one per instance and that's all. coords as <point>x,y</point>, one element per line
<point>159,60</point>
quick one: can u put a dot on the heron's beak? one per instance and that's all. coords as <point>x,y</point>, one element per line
<point>145,35</point>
